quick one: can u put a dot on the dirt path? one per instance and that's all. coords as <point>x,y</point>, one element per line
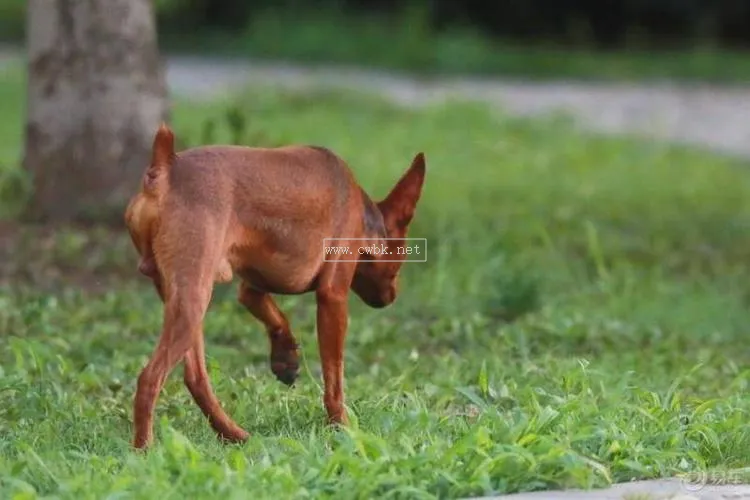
<point>710,116</point>
<point>713,117</point>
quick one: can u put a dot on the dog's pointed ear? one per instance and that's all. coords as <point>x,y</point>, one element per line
<point>399,206</point>
<point>162,152</point>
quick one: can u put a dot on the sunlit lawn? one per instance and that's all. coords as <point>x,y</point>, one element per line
<point>581,319</point>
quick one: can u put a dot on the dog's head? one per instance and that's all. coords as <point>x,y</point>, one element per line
<point>376,278</point>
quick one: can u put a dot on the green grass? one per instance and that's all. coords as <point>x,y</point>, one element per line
<point>581,319</point>
<point>407,43</point>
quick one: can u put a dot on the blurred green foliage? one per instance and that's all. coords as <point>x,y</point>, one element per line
<point>412,37</point>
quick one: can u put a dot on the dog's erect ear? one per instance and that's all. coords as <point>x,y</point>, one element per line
<point>162,152</point>
<point>398,207</point>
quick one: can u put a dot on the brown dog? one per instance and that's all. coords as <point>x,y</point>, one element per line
<point>262,213</point>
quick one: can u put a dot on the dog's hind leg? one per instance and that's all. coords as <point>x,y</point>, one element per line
<point>197,382</point>
<point>183,316</point>
<point>284,355</point>
<point>187,292</point>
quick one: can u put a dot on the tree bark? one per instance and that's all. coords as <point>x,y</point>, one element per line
<point>96,96</point>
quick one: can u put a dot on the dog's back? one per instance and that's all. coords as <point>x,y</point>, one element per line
<point>263,186</point>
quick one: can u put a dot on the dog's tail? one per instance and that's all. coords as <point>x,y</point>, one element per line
<point>162,157</point>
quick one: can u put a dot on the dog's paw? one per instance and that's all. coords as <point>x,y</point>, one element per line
<point>338,418</point>
<point>285,365</point>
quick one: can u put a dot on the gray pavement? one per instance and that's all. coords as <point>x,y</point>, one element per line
<point>659,489</point>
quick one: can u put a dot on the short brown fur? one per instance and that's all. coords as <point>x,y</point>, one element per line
<point>209,213</point>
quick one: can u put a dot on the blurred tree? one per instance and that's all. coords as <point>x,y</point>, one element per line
<point>96,95</point>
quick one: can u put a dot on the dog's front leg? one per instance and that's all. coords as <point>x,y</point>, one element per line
<point>284,356</point>
<point>332,318</point>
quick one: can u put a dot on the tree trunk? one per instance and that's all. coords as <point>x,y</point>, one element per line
<point>96,96</point>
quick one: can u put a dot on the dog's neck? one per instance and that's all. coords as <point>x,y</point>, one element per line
<point>372,219</point>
